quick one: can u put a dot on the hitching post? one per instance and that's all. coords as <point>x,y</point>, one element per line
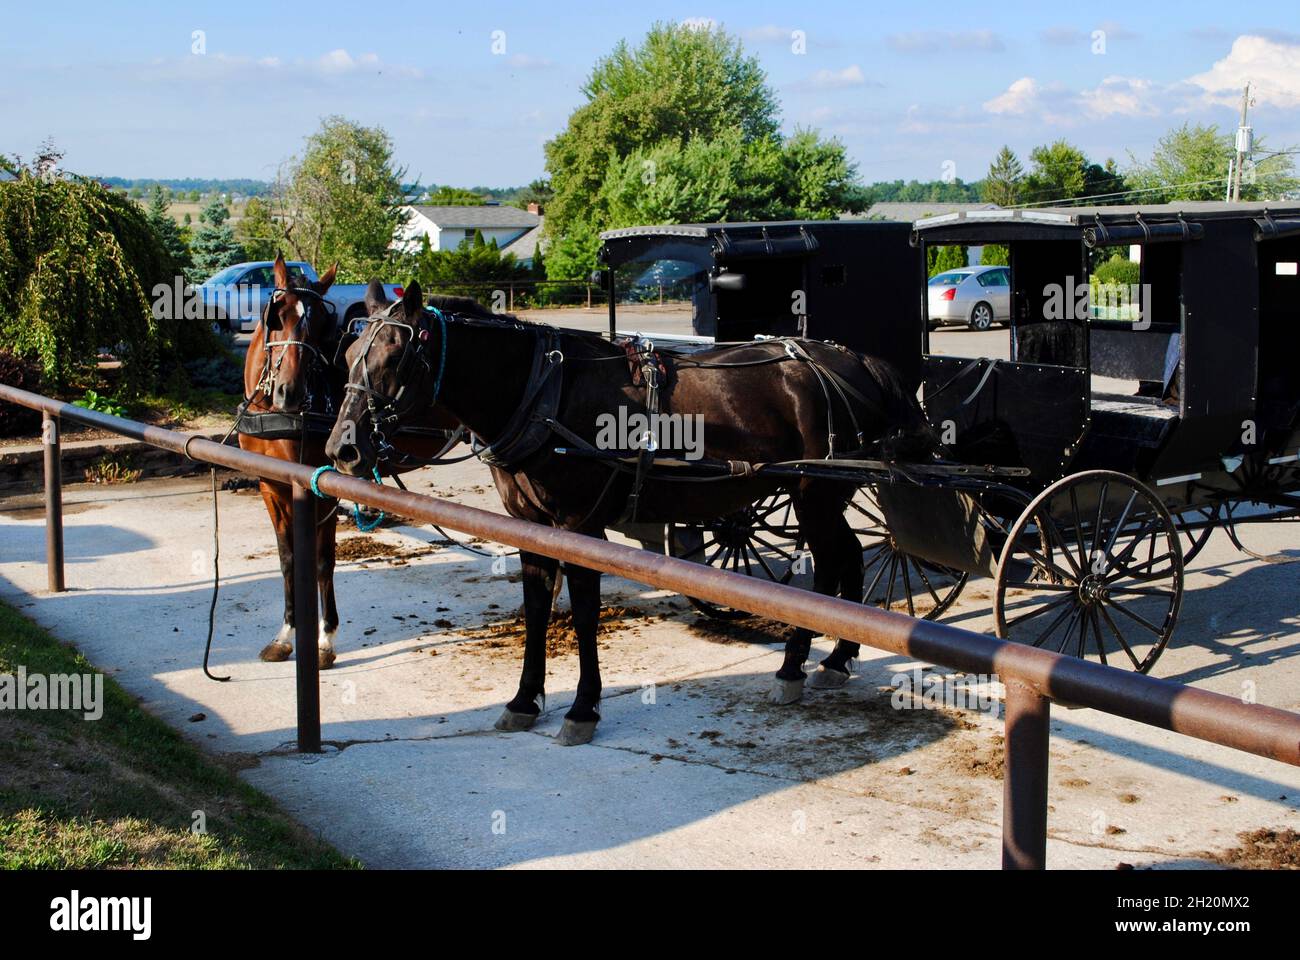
<point>1024,792</point>
<point>305,617</point>
<point>53,503</point>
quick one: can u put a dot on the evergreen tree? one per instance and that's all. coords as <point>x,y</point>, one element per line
<point>1005,176</point>
<point>214,246</point>
<point>167,231</point>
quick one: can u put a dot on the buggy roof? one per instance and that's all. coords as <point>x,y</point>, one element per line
<point>731,241</point>
<point>1096,224</point>
<point>752,227</point>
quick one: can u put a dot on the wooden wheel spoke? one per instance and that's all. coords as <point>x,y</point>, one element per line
<point>920,572</point>
<point>1119,636</point>
<point>1042,637</point>
<point>907,585</point>
<point>1039,610</point>
<point>1135,617</point>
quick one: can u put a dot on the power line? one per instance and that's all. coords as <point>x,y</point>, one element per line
<point>1122,193</point>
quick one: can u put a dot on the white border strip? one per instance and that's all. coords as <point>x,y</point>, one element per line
<point>1185,478</point>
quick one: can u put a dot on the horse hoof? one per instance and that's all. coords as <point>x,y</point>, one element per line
<point>576,732</point>
<point>325,658</point>
<point>512,722</point>
<point>826,679</point>
<point>276,652</point>
<point>785,692</point>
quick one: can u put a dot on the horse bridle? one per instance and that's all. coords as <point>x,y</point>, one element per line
<point>318,365</point>
<point>385,410</point>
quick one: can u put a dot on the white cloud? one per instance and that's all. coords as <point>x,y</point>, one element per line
<point>1019,98</point>
<point>1118,96</point>
<point>1063,36</point>
<point>941,41</point>
<point>1115,96</point>
<point>1271,65</point>
<point>850,76</point>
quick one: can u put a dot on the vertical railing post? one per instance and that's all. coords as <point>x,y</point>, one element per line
<point>1024,791</point>
<point>305,616</point>
<point>53,503</point>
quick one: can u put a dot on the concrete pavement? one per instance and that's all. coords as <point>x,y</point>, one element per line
<point>691,766</point>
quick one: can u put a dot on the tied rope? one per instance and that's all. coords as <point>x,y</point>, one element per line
<point>356,507</point>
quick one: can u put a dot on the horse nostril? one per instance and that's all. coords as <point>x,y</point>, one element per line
<point>347,453</point>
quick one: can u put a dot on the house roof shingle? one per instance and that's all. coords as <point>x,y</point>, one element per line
<point>477,217</point>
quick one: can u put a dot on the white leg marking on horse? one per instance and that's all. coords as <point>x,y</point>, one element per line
<point>326,639</point>
<point>286,634</point>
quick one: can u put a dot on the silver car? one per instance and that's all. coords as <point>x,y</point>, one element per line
<point>976,296</point>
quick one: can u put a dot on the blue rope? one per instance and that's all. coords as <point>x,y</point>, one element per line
<point>356,507</point>
<point>442,354</point>
<point>315,477</point>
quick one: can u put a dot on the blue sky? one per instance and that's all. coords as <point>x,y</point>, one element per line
<point>909,88</point>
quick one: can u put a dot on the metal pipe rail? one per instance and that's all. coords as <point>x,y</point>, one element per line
<point>1033,677</point>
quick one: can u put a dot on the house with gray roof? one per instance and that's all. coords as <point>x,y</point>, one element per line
<point>911,212</point>
<point>447,227</point>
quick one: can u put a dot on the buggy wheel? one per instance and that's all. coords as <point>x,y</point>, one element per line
<point>1263,499</point>
<point>1093,568</point>
<point>1195,526</point>
<point>892,579</point>
<point>1243,519</point>
<point>763,540</point>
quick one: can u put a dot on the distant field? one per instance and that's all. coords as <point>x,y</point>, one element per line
<point>178,209</point>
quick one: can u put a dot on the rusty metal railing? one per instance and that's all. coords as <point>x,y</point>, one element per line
<point>1032,677</point>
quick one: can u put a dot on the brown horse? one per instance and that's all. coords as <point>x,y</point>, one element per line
<point>292,389</point>
<point>531,388</point>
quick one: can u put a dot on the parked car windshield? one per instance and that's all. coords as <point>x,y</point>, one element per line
<point>227,275</point>
<point>947,279</point>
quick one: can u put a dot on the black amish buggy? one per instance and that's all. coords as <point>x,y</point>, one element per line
<point>1081,469</point>
<point>858,283</point>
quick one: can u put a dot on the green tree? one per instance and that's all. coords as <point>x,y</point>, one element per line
<point>1191,162</point>
<point>257,231</point>
<point>453,197</point>
<point>945,258</point>
<point>79,264</point>
<point>167,231</point>
<point>343,200</point>
<point>995,255</point>
<point>214,246</point>
<point>1005,178</point>
<point>656,116</point>
<point>1061,172</point>
<point>538,192</point>
<point>473,262</point>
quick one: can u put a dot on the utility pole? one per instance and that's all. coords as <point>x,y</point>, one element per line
<point>1245,143</point>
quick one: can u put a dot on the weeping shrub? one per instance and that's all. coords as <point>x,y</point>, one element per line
<point>77,267</point>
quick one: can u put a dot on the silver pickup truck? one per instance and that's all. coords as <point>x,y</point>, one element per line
<point>233,298</point>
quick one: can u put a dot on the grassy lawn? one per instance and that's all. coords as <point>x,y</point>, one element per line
<point>121,791</point>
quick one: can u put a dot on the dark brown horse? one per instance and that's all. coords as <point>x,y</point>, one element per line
<point>530,388</point>
<point>291,379</point>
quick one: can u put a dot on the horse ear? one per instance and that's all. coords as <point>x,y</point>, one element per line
<point>327,279</point>
<point>281,272</point>
<point>412,300</point>
<point>376,299</point>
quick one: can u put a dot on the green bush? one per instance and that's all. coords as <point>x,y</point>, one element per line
<point>16,371</point>
<point>1118,270</point>
<point>78,264</point>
